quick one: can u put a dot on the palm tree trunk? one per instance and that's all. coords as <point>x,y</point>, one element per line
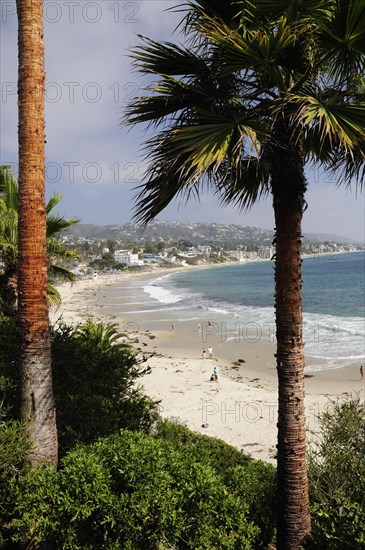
<point>38,408</point>
<point>288,185</point>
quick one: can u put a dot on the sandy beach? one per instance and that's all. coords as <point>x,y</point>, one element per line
<point>241,408</point>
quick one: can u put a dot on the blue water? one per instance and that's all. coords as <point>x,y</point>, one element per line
<point>242,296</point>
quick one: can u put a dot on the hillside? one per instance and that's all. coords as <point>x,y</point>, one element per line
<point>194,232</point>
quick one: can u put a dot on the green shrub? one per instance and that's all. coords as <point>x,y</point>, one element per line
<point>132,491</point>
<point>223,455</point>
<point>9,369</point>
<point>94,378</point>
<point>252,481</point>
<point>14,448</point>
<point>337,478</point>
<point>255,484</point>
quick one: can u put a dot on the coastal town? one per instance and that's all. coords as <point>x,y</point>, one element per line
<point>177,244</point>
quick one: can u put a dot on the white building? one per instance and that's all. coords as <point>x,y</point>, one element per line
<point>205,250</point>
<point>266,252</point>
<point>126,257</point>
<point>240,255</point>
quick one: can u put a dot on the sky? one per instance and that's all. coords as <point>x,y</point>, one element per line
<point>93,159</point>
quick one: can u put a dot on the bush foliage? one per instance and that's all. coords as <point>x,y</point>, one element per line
<point>14,448</point>
<point>135,491</point>
<point>337,478</point>
<point>253,481</point>
<point>94,378</point>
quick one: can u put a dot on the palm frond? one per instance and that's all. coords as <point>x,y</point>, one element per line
<point>357,86</point>
<point>317,148</point>
<point>245,184</point>
<point>168,176</point>
<point>343,38</point>
<point>54,297</point>
<point>8,188</point>
<point>171,96</point>
<point>295,10</point>
<point>186,159</point>
<point>270,60</point>
<point>348,166</point>
<point>57,224</point>
<point>62,272</point>
<point>330,118</point>
<point>232,13</point>
<point>251,49</point>
<point>8,227</point>
<point>57,249</point>
<point>53,201</point>
<point>213,137</point>
<point>103,335</point>
<point>167,59</point>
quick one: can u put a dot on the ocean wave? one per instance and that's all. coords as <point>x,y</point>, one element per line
<point>218,310</point>
<point>161,294</point>
<point>320,363</point>
<point>152,310</point>
<point>351,325</point>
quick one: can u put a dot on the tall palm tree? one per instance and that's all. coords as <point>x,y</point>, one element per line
<point>38,409</point>
<point>259,90</point>
<point>57,253</point>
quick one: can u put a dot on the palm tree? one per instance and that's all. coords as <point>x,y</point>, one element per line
<point>8,239</point>
<point>57,253</point>
<point>37,407</point>
<point>259,90</point>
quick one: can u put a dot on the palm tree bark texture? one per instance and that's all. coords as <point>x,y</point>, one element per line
<point>38,409</point>
<point>288,188</point>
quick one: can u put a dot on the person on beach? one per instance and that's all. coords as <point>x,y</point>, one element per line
<point>173,327</point>
<point>210,352</point>
<point>361,373</point>
<point>215,375</point>
<point>204,354</point>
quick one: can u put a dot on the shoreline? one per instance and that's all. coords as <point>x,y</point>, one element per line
<point>241,408</point>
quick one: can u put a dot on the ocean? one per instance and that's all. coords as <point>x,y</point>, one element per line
<point>236,302</point>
